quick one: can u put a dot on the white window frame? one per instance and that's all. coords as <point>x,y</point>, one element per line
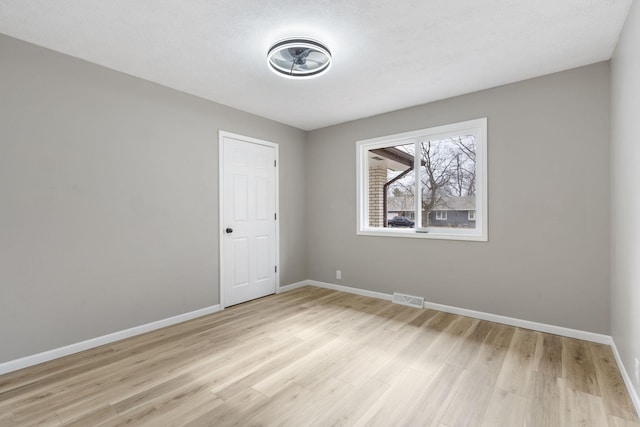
<point>441,215</point>
<point>478,128</point>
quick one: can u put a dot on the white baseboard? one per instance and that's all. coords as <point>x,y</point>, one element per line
<point>24,362</point>
<point>350,290</point>
<point>627,379</point>
<point>292,286</point>
<point>527,324</point>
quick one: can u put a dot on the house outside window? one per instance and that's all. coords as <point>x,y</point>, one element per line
<point>445,199</point>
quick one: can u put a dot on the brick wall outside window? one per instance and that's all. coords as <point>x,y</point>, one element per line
<point>377,179</point>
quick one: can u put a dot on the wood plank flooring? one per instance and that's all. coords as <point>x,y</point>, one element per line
<point>315,357</point>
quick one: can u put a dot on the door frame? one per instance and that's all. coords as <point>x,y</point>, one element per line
<point>221,135</point>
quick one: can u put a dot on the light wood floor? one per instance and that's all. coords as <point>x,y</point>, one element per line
<point>319,357</point>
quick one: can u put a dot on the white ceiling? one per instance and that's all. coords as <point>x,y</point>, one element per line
<point>387,54</point>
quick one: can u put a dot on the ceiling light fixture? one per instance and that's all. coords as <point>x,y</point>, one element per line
<point>299,58</point>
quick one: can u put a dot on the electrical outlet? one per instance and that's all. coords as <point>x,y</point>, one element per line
<point>338,274</point>
<point>637,369</point>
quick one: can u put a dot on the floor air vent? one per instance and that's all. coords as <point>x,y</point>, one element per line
<point>409,300</point>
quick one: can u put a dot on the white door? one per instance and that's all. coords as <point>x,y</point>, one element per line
<point>248,218</point>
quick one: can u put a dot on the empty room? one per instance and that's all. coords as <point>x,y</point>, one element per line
<point>296,213</point>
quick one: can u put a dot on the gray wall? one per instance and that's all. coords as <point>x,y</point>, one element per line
<point>625,196</point>
<point>547,258</point>
<point>109,199</point>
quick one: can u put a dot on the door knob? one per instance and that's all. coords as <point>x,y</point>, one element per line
<point>229,230</point>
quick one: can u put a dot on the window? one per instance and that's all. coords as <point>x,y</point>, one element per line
<point>430,183</point>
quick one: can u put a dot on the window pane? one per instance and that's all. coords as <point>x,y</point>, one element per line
<point>448,177</point>
<point>444,197</point>
<point>391,186</point>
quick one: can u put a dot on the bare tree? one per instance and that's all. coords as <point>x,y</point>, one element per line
<point>436,175</point>
<point>467,150</point>
<point>447,171</point>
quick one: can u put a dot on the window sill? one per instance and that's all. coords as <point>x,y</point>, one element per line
<point>418,234</point>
